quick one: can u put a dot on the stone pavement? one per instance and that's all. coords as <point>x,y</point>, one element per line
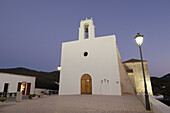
<point>76,104</point>
<point>12,99</point>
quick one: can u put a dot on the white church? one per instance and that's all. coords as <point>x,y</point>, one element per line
<point>92,65</point>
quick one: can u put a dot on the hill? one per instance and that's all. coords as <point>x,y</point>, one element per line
<point>43,79</point>
<point>161,85</point>
<point>47,80</point>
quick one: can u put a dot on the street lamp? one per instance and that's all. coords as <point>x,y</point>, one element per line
<point>59,68</point>
<point>139,41</point>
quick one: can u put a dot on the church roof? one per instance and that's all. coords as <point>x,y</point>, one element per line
<point>133,60</point>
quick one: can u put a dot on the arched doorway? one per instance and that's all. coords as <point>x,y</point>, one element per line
<point>86,84</point>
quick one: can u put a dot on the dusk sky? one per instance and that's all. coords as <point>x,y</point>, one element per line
<point>32,31</point>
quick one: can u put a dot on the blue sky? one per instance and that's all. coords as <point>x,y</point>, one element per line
<point>32,31</point>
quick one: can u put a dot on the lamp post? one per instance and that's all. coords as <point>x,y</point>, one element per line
<point>139,41</point>
<point>58,83</point>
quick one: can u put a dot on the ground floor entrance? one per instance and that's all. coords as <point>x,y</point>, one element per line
<point>5,89</point>
<point>24,88</point>
<point>86,84</point>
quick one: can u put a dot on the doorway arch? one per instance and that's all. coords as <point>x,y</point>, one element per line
<point>86,84</point>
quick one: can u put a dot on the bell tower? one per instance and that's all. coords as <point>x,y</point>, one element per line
<point>86,30</point>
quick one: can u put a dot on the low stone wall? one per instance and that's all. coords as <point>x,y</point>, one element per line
<point>12,94</point>
<point>156,106</point>
<point>39,90</point>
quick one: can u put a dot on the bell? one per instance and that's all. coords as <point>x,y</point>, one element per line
<point>86,30</point>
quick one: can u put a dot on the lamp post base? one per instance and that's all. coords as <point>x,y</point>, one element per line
<point>147,102</point>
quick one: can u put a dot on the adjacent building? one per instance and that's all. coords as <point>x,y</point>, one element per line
<point>11,83</point>
<point>135,73</point>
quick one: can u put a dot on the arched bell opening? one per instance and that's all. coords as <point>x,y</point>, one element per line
<point>86,31</point>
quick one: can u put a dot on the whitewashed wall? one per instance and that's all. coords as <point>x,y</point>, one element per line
<point>101,63</point>
<point>13,80</point>
<point>155,105</point>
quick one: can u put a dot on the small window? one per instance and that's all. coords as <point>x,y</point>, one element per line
<point>85,54</point>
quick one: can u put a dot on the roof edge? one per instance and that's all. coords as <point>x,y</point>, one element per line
<point>133,60</point>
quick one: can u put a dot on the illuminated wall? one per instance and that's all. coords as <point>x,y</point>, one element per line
<point>136,75</point>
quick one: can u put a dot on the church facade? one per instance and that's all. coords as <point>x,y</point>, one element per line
<point>92,65</point>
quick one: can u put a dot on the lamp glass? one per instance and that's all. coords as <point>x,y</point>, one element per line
<point>139,40</point>
<point>59,68</point>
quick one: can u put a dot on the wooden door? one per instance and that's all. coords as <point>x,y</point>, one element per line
<point>19,87</point>
<point>6,87</point>
<point>86,84</point>
<point>28,88</point>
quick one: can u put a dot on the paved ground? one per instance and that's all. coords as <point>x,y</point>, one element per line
<point>76,104</point>
<point>12,99</point>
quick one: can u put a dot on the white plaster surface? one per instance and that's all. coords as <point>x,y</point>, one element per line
<point>126,84</point>
<point>155,105</point>
<point>13,80</point>
<point>158,107</point>
<point>101,63</point>
<point>77,104</point>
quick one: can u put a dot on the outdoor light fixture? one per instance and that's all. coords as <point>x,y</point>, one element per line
<point>139,41</point>
<point>59,68</point>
